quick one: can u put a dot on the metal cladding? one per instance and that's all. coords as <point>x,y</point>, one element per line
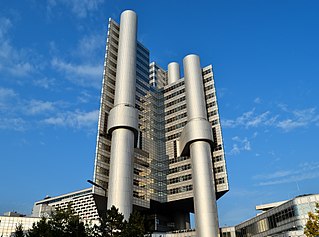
<point>173,72</point>
<point>199,146</point>
<point>126,60</point>
<point>123,119</point>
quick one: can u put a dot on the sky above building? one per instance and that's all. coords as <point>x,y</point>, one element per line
<point>265,55</point>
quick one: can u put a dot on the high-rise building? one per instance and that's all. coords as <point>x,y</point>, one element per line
<point>159,143</point>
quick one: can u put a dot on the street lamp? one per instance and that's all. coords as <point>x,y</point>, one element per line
<point>101,187</point>
<point>97,185</point>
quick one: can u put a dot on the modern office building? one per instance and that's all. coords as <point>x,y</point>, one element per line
<point>81,201</point>
<point>9,221</point>
<point>282,219</point>
<point>159,143</point>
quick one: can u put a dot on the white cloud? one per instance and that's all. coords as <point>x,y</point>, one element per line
<point>76,119</point>
<point>16,124</point>
<point>257,100</point>
<point>90,46</point>
<point>250,119</point>
<point>13,61</point>
<point>240,145</point>
<point>294,119</point>
<point>300,118</point>
<point>83,74</point>
<point>39,107</point>
<point>6,93</point>
<point>304,171</point>
<point>45,83</point>
<point>80,8</point>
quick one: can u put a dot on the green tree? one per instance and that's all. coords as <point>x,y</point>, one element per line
<point>134,226</point>
<point>63,223</point>
<point>112,223</point>
<point>19,231</point>
<point>40,229</point>
<point>312,225</point>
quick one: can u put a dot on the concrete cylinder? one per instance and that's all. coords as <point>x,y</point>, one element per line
<point>120,191</point>
<point>200,152</point>
<point>120,188</point>
<point>173,72</point>
<point>206,215</point>
<point>125,85</point>
<point>195,97</point>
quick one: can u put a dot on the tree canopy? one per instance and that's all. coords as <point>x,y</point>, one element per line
<point>312,225</point>
<point>65,223</point>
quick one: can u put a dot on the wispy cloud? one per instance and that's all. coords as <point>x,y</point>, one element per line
<point>16,124</point>
<point>39,107</point>
<point>80,8</point>
<point>13,61</point>
<point>45,83</point>
<point>83,74</point>
<point>299,118</point>
<point>240,145</point>
<point>286,120</point>
<point>250,119</point>
<point>304,171</point>
<point>75,119</point>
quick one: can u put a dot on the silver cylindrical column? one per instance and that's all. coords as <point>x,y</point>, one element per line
<point>120,189</point>
<point>206,215</point>
<point>173,72</point>
<point>126,60</point>
<point>195,97</point>
<point>200,152</point>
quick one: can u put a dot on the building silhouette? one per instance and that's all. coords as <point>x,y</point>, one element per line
<point>159,143</point>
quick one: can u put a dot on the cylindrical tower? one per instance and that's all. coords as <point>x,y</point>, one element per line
<point>173,72</point>
<point>122,122</point>
<point>200,150</point>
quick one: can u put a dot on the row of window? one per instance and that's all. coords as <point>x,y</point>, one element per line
<point>218,158</point>
<point>220,181</point>
<point>178,159</point>
<point>267,223</point>
<point>103,171</point>
<point>173,87</point>
<point>180,189</point>
<point>219,169</point>
<point>178,117</point>
<point>175,94</point>
<point>207,71</point>
<point>179,168</point>
<point>179,108</point>
<point>179,179</point>
<point>174,102</point>
<point>104,158</point>
<point>177,126</point>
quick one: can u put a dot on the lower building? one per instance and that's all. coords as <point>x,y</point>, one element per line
<point>9,222</point>
<point>82,203</point>
<point>283,219</point>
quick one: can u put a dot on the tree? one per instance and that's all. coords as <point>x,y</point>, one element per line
<point>19,231</point>
<point>312,225</point>
<point>40,229</point>
<point>135,226</point>
<point>63,223</point>
<point>111,223</point>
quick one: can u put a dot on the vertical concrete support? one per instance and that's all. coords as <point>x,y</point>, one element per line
<point>123,120</point>
<point>200,150</point>
<point>173,72</point>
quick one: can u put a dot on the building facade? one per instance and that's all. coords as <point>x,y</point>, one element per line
<point>159,143</point>
<point>9,222</point>
<point>286,219</point>
<point>82,202</point>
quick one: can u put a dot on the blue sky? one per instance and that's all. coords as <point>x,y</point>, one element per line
<point>265,55</point>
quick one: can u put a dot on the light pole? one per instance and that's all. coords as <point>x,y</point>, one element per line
<point>101,187</point>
